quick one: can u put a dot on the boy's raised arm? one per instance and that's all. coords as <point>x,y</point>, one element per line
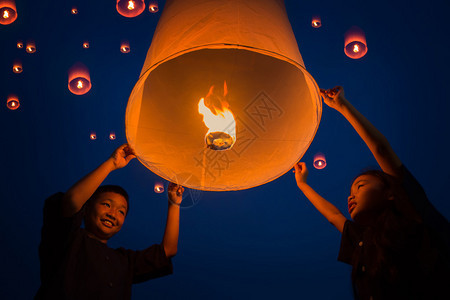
<point>170,239</point>
<point>328,210</point>
<point>81,191</point>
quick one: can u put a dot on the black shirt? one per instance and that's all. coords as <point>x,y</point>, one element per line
<point>75,266</point>
<point>417,263</point>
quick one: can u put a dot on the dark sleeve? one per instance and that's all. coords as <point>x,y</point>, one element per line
<point>149,263</point>
<point>428,213</point>
<point>351,236</point>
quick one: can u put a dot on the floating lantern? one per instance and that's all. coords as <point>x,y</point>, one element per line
<point>197,46</point>
<point>79,79</point>
<point>355,43</point>
<point>17,67</point>
<point>130,8</point>
<point>153,6</point>
<point>319,161</point>
<point>316,22</point>
<point>112,136</point>
<point>13,102</point>
<point>125,47</point>
<point>19,44</point>
<point>86,45</point>
<point>8,12</point>
<point>93,136</point>
<point>74,11</point>
<point>159,188</point>
<point>31,47</point>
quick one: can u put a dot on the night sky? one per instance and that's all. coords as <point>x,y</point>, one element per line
<point>262,243</point>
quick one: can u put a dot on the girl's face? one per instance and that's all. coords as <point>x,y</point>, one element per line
<point>368,197</point>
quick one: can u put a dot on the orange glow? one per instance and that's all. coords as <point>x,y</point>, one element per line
<point>112,136</point>
<point>19,45</point>
<point>79,79</point>
<point>319,161</point>
<point>8,12</point>
<point>86,45</point>
<point>125,47</point>
<point>31,47</point>
<point>219,119</point>
<point>355,43</point>
<point>153,6</point>
<point>159,188</point>
<point>93,136</point>
<point>13,102</point>
<point>74,11</point>
<point>129,8</point>
<point>316,22</point>
<point>17,67</point>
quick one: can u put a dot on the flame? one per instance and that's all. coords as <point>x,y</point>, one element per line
<point>356,48</point>
<point>124,49</point>
<point>16,69</point>
<point>80,84</point>
<point>30,49</point>
<point>130,5</point>
<point>5,14</point>
<point>13,103</point>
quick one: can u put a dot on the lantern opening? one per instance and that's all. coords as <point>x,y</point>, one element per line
<point>319,161</point>
<point>12,103</point>
<point>86,45</point>
<point>130,8</point>
<point>31,47</point>
<point>8,12</point>
<point>316,22</point>
<point>219,119</point>
<point>74,11</point>
<point>112,136</point>
<point>93,136</point>
<point>19,45</point>
<point>159,188</point>
<point>153,6</point>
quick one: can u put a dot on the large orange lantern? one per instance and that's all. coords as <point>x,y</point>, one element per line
<point>79,79</point>
<point>240,65</point>
<point>13,102</point>
<point>319,161</point>
<point>130,8</point>
<point>31,47</point>
<point>316,22</point>
<point>125,47</point>
<point>153,6</point>
<point>8,12</point>
<point>17,67</point>
<point>355,43</point>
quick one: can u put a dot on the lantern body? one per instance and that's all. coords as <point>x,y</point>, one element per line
<point>112,136</point>
<point>274,100</point>
<point>31,47</point>
<point>8,12</point>
<point>159,188</point>
<point>130,8</point>
<point>19,44</point>
<point>355,43</point>
<point>17,67</point>
<point>319,161</point>
<point>93,136</point>
<point>125,47</point>
<point>316,22</point>
<point>153,6</point>
<point>13,102</point>
<point>79,79</point>
<point>86,45</point>
<point>74,11</point>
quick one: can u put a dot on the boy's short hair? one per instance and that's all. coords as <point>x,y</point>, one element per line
<point>110,188</point>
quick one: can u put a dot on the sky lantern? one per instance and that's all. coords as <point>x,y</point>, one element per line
<point>13,102</point>
<point>159,187</point>
<point>19,44</point>
<point>153,6</point>
<point>125,47</point>
<point>319,161</point>
<point>316,22</point>
<point>79,79</point>
<point>8,12</point>
<point>130,8</point>
<point>223,101</point>
<point>112,136</point>
<point>93,136</point>
<point>355,43</point>
<point>86,45</point>
<point>31,47</point>
<point>17,67</point>
<point>74,11</point>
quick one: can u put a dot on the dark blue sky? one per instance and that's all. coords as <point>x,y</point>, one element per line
<point>262,243</point>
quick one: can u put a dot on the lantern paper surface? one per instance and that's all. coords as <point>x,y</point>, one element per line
<point>229,48</point>
<point>8,12</point>
<point>355,43</point>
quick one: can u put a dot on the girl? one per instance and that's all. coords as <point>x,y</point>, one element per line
<point>397,243</point>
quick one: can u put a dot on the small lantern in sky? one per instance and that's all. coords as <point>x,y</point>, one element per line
<point>112,136</point>
<point>355,43</point>
<point>31,47</point>
<point>153,6</point>
<point>13,102</point>
<point>316,22</point>
<point>130,8</point>
<point>74,11</point>
<point>19,44</point>
<point>319,161</point>
<point>8,12</point>
<point>125,47</point>
<point>79,79</point>
<point>17,67</point>
<point>86,45</point>
<point>93,136</point>
<point>159,188</point>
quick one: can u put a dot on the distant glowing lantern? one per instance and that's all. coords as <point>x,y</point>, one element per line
<point>112,136</point>
<point>125,47</point>
<point>13,102</point>
<point>74,11</point>
<point>197,47</point>
<point>93,136</point>
<point>79,79</point>
<point>159,188</point>
<point>17,67</point>
<point>130,8</point>
<point>86,45</point>
<point>8,12</point>
<point>153,6</point>
<point>316,22</point>
<point>31,47</point>
<point>355,43</point>
<point>319,161</point>
<point>19,44</point>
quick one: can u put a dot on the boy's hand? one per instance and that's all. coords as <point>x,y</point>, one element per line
<point>301,173</point>
<point>175,192</point>
<point>334,98</point>
<point>122,156</point>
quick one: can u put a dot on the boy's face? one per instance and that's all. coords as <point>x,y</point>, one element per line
<point>368,196</point>
<point>106,215</point>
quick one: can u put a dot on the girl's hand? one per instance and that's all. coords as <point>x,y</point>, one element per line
<point>334,98</point>
<point>301,173</point>
<point>122,156</point>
